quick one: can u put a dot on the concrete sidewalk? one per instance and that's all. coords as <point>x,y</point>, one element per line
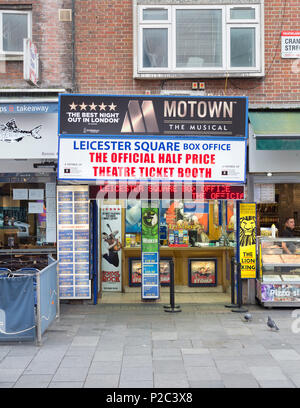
<point>124,346</point>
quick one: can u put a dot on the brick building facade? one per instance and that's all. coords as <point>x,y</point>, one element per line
<point>53,39</point>
<point>104,55</point>
<point>104,52</point>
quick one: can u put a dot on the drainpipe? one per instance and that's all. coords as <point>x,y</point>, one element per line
<point>74,85</point>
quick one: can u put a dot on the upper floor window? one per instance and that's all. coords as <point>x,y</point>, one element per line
<point>176,40</point>
<point>14,27</point>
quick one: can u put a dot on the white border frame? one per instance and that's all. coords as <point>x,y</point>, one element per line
<point>150,73</point>
<point>257,55</point>
<point>173,29</point>
<point>243,21</point>
<point>29,30</point>
<point>140,49</point>
<point>163,7</point>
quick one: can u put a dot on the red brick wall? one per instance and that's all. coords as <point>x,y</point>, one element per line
<point>104,53</point>
<point>54,43</point>
<point>104,48</point>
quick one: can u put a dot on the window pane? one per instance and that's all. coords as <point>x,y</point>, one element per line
<point>242,46</point>
<point>155,47</point>
<point>198,38</point>
<point>155,14</point>
<point>242,13</point>
<point>14,31</point>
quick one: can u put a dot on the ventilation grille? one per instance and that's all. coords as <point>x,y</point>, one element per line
<point>65,15</point>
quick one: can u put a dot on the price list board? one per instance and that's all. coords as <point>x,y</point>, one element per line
<point>150,252</point>
<point>73,242</point>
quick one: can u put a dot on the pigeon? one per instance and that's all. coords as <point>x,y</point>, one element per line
<point>248,317</point>
<point>272,324</point>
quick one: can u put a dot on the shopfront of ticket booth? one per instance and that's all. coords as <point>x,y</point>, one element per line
<point>156,199</point>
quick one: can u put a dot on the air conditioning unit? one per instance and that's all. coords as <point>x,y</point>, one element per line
<point>65,14</point>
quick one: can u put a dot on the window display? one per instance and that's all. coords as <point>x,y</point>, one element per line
<point>186,223</point>
<point>279,273</point>
<point>24,220</point>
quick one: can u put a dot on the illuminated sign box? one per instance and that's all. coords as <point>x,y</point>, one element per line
<point>166,190</point>
<point>210,116</point>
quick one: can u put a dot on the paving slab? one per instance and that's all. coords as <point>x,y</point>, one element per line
<point>137,346</point>
<point>66,384</point>
<point>239,381</point>
<point>101,381</point>
<point>33,381</point>
<point>72,374</point>
<point>127,383</point>
<point>285,354</point>
<point>267,373</point>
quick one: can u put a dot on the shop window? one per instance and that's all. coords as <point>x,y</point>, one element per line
<point>25,222</point>
<point>15,26</point>
<point>214,40</point>
<point>186,223</point>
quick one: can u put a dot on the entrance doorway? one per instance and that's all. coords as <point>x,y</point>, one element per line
<point>197,241</point>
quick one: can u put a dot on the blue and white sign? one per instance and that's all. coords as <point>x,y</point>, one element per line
<point>28,130</point>
<point>73,242</point>
<point>156,159</point>
<point>150,275</point>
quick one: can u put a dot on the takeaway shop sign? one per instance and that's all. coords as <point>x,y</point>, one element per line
<point>159,160</point>
<point>153,115</point>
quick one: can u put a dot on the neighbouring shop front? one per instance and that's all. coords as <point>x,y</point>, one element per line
<point>274,184</point>
<point>147,186</point>
<point>28,161</point>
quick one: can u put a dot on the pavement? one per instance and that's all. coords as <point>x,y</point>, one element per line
<point>142,346</point>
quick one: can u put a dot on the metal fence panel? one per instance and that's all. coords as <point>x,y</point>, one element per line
<point>17,316</point>
<point>48,296</point>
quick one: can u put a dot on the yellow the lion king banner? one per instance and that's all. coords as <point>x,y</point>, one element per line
<point>247,240</point>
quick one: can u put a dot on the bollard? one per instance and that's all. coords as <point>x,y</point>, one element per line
<point>239,308</point>
<point>172,308</point>
<point>232,279</point>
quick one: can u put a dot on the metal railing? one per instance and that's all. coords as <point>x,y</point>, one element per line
<point>46,294</point>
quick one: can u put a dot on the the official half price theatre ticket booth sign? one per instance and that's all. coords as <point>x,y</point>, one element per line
<point>159,138</point>
<point>247,239</point>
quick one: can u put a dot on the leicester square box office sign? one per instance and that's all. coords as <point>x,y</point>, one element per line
<point>159,138</point>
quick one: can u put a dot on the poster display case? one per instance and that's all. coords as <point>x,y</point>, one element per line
<point>278,281</point>
<point>135,271</point>
<point>203,272</point>
<point>166,267</point>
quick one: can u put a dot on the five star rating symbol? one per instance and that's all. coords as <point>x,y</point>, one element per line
<point>73,106</point>
<point>93,106</point>
<point>102,107</point>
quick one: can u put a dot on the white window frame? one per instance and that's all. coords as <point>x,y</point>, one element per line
<point>154,69</point>
<point>205,72</point>
<point>192,69</point>
<point>142,8</point>
<point>243,20</point>
<point>257,57</point>
<point>29,33</point>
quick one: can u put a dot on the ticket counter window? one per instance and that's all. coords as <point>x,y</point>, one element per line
<point>186,223</point>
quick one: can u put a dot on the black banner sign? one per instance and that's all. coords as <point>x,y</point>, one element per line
<point>166,191</point>
<point>153,115</point>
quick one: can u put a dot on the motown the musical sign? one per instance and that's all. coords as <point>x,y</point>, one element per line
<point>153,115</point>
